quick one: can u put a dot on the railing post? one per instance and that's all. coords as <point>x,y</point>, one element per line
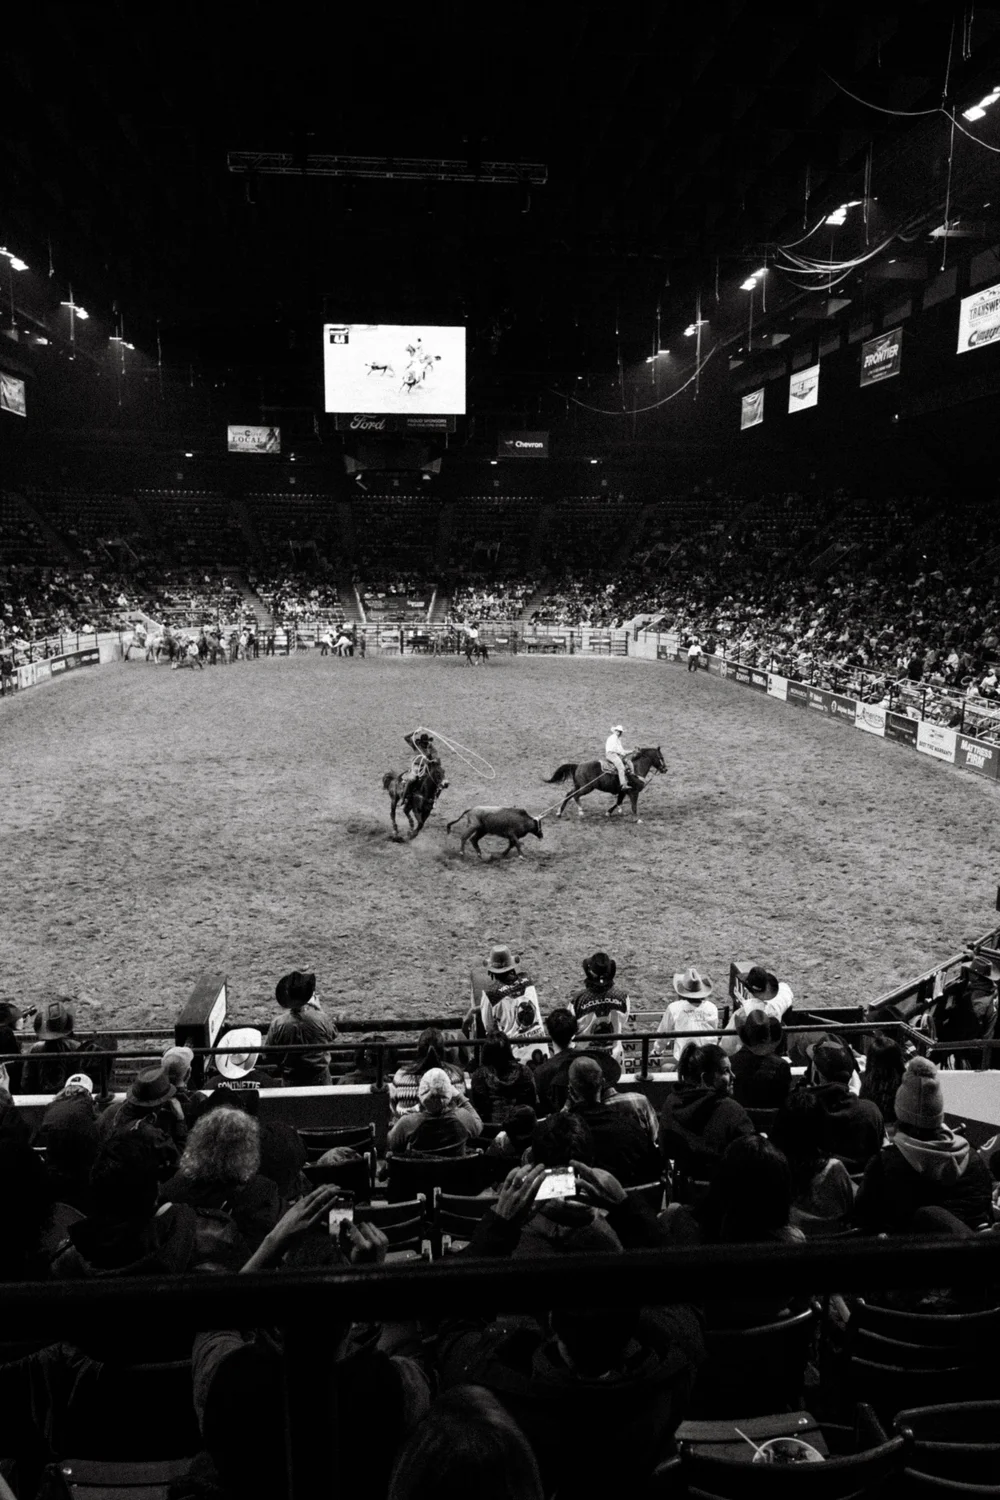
<point>644,1059</point>
<point>312,1427</point>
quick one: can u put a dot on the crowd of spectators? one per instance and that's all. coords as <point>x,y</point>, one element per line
<point>171,1179</point>
<point>294,596</point>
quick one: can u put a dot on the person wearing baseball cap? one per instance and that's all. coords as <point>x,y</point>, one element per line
<point>304,1022</point>
<point>927,1165</point>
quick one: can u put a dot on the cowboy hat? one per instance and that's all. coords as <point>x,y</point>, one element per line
<point>762,984</point>
<point>618,729</point>
<point>54,1019</point>
<point>150,1088</point>
<point>691,986</point>
<point>501,961</point>
<point>600,967</point>
<point>238,1064</point>
<point>295,990</point>
<point>760,1032</point>
<point>982,963</point>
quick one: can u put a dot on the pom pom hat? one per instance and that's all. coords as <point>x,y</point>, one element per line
<point>919,1100</point>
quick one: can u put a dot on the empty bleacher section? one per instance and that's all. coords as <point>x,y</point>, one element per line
<point>194,528</point>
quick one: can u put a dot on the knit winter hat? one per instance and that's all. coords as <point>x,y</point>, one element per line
<point>919,1100</point>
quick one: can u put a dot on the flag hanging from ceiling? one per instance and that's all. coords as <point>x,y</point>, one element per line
<point>803,389</point>
<point>752,409</point>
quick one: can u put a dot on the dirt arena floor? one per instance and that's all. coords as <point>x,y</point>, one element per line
<point>157,824</point>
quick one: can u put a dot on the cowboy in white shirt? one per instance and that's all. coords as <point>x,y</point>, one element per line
<point>615,752</point>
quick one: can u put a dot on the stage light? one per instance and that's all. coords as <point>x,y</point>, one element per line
<point>650,359</point>
<point>189,455</point>
<point>748,285</point>
<point>595,460</point>
<point>663,351</point>
<point>493,462</point>
<point>17,265</point>
<point>40,340</point>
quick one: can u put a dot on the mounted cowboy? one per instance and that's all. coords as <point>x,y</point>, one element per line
<point>614,752</point>
<point>426,758</point>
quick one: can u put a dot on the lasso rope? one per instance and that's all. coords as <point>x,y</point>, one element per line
<point>567,795</point>
<point>477,763</point>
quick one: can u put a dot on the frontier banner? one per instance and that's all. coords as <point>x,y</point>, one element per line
<point>882,358</point>
<point>979,319</point>
<point>12,396</point>
<point>752,409</point>
<point>803,389</point>
<point>254,439</point>
<point>523,445</point>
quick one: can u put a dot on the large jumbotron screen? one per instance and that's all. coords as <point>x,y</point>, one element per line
<point>389,368</point>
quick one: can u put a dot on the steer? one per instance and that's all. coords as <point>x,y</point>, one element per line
<point>510,823</point>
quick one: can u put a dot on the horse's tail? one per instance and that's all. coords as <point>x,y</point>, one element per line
<point>566,769</point>
<point>462,815</point>
<point>388,779</point>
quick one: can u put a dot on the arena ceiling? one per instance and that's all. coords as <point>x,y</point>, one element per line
<point>679,143</point>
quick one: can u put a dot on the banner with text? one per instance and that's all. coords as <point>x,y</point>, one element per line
<point>391,422</point>
<point>12,396</point>
<point>979,319</point>
<point>871,719</point>
<point>882,358</point>
<point>254,439</point>
<point>523,445</point>
<point>752,409</point>
<point>976,755</point>
<point>936,740</point>
<point>803,389</point>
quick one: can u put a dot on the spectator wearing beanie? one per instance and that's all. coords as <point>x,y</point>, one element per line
<point>442,1125</point>
<point>854,1128</point>
<point>551,1077</point>
<point>926,1166</point>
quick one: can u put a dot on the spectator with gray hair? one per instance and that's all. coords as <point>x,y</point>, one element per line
<point>220,1171</point>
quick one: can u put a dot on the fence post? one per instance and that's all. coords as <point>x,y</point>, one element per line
<point>644,1060</point>
<point>923,704</point>
<point>961,717</point>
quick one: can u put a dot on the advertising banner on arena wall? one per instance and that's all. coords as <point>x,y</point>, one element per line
<point>12,395</point>
<point>882,358</point>
<point>88,656</point>
<point>391,422</point>
<point>936,740</point>
<point>976,755</point>
<point>798,694</point>
<point>758,680</point>
<point>522,445</point>
<point>752,409</point>
<point>870,719</point>
<point>739,674</point>
<point>803,389</point>
<point>979,319</point>
<point>716,665</point>
<point>33,672</point>
<point>902,728</point>
<point>777,687</point>
<point>253,439</point>
<point>819,699</point>
<point>843,708</point>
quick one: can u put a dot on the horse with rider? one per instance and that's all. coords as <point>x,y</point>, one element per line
<point>418,788</point>
<point>619,773</point>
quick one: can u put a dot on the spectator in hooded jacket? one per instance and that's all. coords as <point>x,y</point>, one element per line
<point>700,1118</point>
<point>822,1190</point>
<point>883,1074</point>
<point>500,1084</point>
<point>854,1128</point>
<point>926,1165</point>
<point>443,1123</point>
<point>623,1142</point>
<point>761,1077</point>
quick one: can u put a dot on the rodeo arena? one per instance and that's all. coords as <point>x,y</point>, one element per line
<point>475,1019</point>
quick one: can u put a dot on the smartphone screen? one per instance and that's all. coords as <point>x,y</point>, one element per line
<point>558,1182</point>
<point>341,1212</point>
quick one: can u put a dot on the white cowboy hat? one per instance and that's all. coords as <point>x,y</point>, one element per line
<point>238,1064</point>
<point>691,986</point>
<point>618,729</point>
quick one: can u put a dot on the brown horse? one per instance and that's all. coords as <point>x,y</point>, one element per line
<point>416,797</point>
<point>590,776</point>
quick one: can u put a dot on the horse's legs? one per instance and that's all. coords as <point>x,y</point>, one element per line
<point>634,799</point>
<point>393,799</point>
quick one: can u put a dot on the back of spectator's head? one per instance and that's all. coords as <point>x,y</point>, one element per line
<point>520,1127</point>
<point>366,1056</point>
<point>762,1033</point>
<point>919,1100</point>
<point>559,1139</point>
<point>224,1146</point>
<point>585,1081</point>
<point>176,1063</point>
<point>832,1061</point>
<point>884,1058</point>
<point>752,1190</point>
<point>561,1026</point>
<point>125,1177</point>
<point>430,1050</point>
<point>469,1444</point>
<point>497,1052</point>
<point>435,1092</point>
<point>689,1064</point>
<point>800,1127</point>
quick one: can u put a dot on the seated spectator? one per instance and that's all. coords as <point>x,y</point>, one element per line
<point>691,1011</point>
<point>366,1062</point>
<point>10,1041</point>
<point>854,1129</point>
<point>761,1078</point>
<point>468,1444</point>
<point>177,1063</point>
<point>149,1106</point>
<point>33,1233</point>
<point>126,1233</point>
<point>700,1118</point>
<point>601,1007</point>
<point>622,1143</point>
<point>443,1123</point>
<point>883,1074</point>
<point>304,1023</point>
<point>926,1165</point>
<point>767,993</point>
<point>632,1369</point>
<point>515,1138</point>
<point>822,1190</point>
<point>500,1084</point>
<point>13,1125</point>
<point>220,1169</point>
<point>52,1059</point>
<point>68,1132</point>
<point>551,1076</point>
<point>404,1089</point>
